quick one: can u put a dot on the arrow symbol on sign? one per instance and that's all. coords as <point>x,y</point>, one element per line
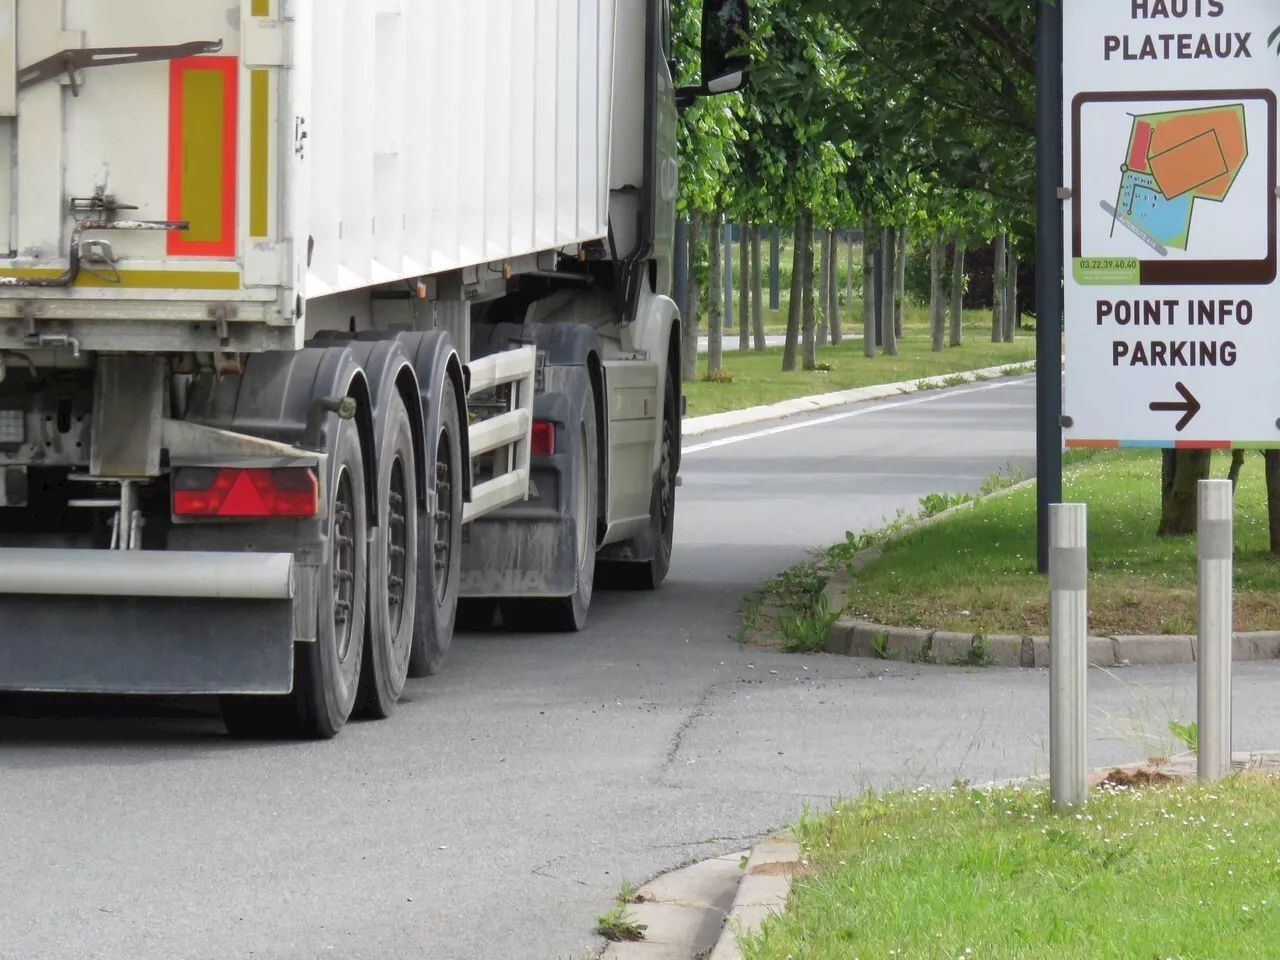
<point>1189,406</point>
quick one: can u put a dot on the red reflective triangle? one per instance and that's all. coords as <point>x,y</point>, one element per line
<point>243,500</point>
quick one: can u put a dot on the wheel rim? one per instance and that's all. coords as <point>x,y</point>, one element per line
<point>397,545</point>
<point>344,564</point>
<point>583,503</point>
<point>442,545</point>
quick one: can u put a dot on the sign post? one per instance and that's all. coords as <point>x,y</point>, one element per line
<point>1170,229</point>
<point>1048,269</point>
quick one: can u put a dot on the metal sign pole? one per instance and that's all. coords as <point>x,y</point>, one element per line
<point>1214,559</point>
<point>1049,259</point>
<point>1068,655</point>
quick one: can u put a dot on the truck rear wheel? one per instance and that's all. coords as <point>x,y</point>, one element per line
<point>393,568</point>
<point>440,557</point>
<point>326,674</point>
<point>569,614</point>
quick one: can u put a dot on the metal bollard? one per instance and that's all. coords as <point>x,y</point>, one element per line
<point>1215,541</point>
<point>1068,655</point>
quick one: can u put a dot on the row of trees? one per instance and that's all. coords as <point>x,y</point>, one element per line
<point>822,289</point>
<point>856,115</point>
<point>910,116</point>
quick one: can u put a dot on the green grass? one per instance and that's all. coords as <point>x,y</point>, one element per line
<point>976,571</point>
<point>757,377</point>
<point>1175,871</point>
<point>616,925</point>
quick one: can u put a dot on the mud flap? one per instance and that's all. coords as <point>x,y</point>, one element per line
<point>145,645</point>
<point>529,550</point>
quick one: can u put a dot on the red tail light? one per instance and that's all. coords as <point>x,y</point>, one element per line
<point>544,439</point>
<point>233,492</point>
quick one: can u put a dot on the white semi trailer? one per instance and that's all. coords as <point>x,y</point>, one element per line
<point>318,317</point>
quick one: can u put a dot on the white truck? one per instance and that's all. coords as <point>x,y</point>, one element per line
<point>323,321</point>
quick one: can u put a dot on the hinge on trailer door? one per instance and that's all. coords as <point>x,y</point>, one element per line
<point>68,62</point>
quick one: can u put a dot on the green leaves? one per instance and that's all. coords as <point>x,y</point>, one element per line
<point>917,112</point>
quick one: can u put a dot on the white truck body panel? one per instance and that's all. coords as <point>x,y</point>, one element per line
<point>328,146</point>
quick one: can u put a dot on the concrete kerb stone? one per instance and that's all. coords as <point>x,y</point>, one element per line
<point>684,910</point>
<point>858,638</point>
<point>765,887</point>
<point>951,647</point>
<point>697,426</point>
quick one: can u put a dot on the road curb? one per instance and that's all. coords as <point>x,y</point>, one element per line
<point>764,889</point>
<point>875,641</point>
<point>697,426</point>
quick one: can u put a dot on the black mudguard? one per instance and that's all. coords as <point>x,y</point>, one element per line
<point>528,550</point>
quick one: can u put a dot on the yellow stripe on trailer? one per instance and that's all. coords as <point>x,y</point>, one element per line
<point>142,279</point>
<point>259,152</point>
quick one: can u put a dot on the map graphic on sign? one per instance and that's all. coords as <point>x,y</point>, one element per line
<point>1174,188</point>
<point>1174,161</point>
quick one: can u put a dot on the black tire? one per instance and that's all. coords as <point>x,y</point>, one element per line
<point>393,568</point>
<point>650,574</point>
<point>440,555</point>
<point>326,674</point>
<point>569,614</point>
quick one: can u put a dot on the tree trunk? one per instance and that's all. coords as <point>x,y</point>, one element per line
<point>848,279</point>
<point>1180,512</point>
<point>796,307</point>
<point>1012,315</point>
<point>1237,463</point>
<point>868,289</point>
<point>809,358</point>
<point>1272,460</point>
<point>693,315</point>
<point>997,291</point>
<point>744,283</point>
<point>824,287</point>
<point>900,284</point>
<point>937,298</point>
<point>757,291</point>
<point>957,296</point>
<point>837,316</point>
<point>715,306</point>
<point>890,292</point>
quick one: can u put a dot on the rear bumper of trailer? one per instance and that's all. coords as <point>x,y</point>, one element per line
<point>152,622</point>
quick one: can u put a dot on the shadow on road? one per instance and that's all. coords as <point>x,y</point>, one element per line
<point>41,720</point>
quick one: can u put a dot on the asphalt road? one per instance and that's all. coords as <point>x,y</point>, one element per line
<point>498,813</point>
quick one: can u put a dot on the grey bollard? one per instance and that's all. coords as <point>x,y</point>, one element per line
<point>1068,655</point>
<point>1214,562</point>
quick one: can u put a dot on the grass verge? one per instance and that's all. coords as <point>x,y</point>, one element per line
<point>1178,870</point>
<point>975,571</point>
<point>750,379</point>
<point>794,609</point>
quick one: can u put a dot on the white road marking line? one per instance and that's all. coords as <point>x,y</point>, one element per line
<point>849,415</point>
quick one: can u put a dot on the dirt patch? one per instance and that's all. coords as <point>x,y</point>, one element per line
<point>1136,778</point>
<point>785,868</point>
